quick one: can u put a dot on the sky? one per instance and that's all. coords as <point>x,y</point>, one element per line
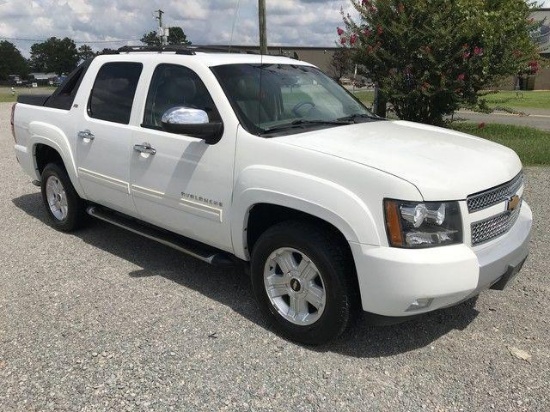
<point>115,23</point>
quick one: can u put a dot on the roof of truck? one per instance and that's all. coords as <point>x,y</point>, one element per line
<point>208,56</point>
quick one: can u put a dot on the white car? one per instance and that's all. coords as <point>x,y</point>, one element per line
<point>332,208</point>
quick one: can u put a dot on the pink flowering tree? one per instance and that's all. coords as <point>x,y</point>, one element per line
<point>429,57</point>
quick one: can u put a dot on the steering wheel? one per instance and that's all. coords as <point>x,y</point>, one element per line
<point>298,106</point>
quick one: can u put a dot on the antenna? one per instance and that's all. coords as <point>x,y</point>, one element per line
<point>234,24</point>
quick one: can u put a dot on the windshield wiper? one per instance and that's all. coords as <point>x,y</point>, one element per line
<point>304,123</point>
<point>359,116</point>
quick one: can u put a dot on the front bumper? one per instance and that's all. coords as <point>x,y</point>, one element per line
<point>391,280</point>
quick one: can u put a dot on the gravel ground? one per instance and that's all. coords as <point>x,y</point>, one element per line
<point>105,320</point>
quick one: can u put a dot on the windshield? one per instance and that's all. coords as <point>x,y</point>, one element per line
<point>272,99</point>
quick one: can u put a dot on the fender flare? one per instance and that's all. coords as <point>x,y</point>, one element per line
<point>334,204</point>
<point>54,137</point>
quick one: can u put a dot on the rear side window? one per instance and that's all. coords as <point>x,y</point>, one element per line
<point>63,97</point>
<point>113,92</point>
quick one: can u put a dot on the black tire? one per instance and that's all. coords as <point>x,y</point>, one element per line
<point>294,314</point>
<point>66,210</point>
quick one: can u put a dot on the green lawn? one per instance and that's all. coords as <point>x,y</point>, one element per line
<point>366,96</point>
<point>519,99</point>
<point>532,145</point>
<point>509,100</point>
<point>7,96</point>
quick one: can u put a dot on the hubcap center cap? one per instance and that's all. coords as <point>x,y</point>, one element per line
<point>295,285</point>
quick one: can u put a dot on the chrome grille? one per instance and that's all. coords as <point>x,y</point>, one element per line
<point>493,227</point>
<point>487,198</point>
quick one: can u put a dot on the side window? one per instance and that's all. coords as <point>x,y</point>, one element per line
<point>113,92</point>
<point>63,96</point>
<point>172,86</point>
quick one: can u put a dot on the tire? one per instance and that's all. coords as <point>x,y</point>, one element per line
<point>66,210</point>
<point>300,277</point>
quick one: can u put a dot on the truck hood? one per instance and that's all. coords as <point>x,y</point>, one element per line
<point>441,163</point>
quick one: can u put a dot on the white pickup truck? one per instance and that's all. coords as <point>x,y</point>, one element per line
<point>267,161</point>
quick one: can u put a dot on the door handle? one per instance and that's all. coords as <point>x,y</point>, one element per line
<point>86,134</point>
<point>145,148</point>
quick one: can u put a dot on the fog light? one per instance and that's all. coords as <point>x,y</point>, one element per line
<point>419,304</point>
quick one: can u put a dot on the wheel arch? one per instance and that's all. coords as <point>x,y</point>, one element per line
<point>50,145</point>
<point>273,193</point>
<point>262,216</point>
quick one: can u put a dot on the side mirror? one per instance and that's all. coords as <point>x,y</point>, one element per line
<point>192,122</point>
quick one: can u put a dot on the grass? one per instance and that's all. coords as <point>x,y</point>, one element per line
<point>366,96</point>
<point>518,99</point>
<point>532,145</point>
<point>507,100</point>
<point>6,95</point>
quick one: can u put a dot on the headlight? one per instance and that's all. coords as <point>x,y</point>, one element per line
<point>422,224</point>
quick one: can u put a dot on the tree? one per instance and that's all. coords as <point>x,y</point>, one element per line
<point>341,62</point>
<point>54,55</point>
<point>85,52</point>
<point>151,39</point>
<point>428,57</point>
<point>175,36</point>
<point>11,61</point>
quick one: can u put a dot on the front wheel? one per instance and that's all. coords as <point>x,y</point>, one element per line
<point>65,208</point>
<point>300,277</point>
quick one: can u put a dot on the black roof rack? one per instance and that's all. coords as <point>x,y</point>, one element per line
<point>184,49</point>
<point>179,49</point>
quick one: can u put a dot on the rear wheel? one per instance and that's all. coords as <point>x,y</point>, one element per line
<point>64,207</point>
<point>300,279</point>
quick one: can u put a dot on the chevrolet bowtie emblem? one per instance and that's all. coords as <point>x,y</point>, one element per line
<point>513,203</point>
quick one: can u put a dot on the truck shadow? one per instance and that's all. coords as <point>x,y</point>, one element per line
<point>231,287</point>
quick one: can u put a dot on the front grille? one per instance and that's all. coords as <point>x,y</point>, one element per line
<point>493,227</point>
<point>487,198</point>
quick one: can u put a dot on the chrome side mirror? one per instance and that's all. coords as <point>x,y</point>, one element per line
<point>184,115</point>
<point>192,122</point>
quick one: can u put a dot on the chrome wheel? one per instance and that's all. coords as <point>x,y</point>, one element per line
<point>57,198</point>
<point>294,286</point>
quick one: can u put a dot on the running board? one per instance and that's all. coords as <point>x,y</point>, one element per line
<point>192,248</point>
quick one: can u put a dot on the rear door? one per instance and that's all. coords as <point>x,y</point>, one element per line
<point>104,135</point>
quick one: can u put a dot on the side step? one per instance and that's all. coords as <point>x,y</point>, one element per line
<point>190,247</point>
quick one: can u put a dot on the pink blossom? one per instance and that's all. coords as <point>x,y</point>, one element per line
<point>466,55</point>
<point>478,51</point>
<point>339,31</point>
<point>343,40</point>
<point>367,32</point>
<point>352,38</point>
<point>461,77</point>
<point>379,30</point>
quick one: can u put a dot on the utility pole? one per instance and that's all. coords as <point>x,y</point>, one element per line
<point>263,33</point>
<point>161,28</point>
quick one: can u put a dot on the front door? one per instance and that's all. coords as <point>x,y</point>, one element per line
<point>179,182</point>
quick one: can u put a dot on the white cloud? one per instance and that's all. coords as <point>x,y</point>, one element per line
<point>97,22</point>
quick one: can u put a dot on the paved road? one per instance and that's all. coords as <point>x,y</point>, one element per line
<point>105,320</point>
<point>539,119</point>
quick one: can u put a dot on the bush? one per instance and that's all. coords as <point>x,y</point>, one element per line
<point>429,57</point>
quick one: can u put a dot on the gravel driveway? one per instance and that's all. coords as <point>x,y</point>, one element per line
<point>106,320</point>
